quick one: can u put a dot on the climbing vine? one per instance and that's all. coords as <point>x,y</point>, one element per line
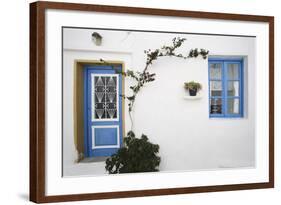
<point>138,154</point>
<point>144,77</point>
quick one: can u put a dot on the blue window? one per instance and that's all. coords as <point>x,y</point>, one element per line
<point>225,88</point>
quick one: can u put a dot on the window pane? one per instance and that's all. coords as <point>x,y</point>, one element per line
<point>104,97</point>
<point>215,106</point>
<point>233,88</point>
<point>233,71</point>
<point>216,71</point>
<point>233,106</point>
<point>215,88</point>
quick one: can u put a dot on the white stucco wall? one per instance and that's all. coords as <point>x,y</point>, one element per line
<point>188,138</point>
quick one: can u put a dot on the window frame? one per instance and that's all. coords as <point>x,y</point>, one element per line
<point>224,79</point>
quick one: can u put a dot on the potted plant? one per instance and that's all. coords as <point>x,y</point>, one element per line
<point>192,87</point>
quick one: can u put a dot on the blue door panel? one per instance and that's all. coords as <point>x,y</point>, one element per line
<point>103,152</point>
<point>106,136</point>
<point>104,132</point>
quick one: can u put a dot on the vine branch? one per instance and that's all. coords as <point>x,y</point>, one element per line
<point>144,77</point>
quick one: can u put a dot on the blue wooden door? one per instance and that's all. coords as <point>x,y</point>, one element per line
<point>103,110</point>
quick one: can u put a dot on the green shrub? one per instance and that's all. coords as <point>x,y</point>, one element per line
<point>137,155</point>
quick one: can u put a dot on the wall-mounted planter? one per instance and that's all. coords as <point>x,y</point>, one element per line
<point>192,89</point>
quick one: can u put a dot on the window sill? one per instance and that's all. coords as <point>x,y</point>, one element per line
<point>227,117</point>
